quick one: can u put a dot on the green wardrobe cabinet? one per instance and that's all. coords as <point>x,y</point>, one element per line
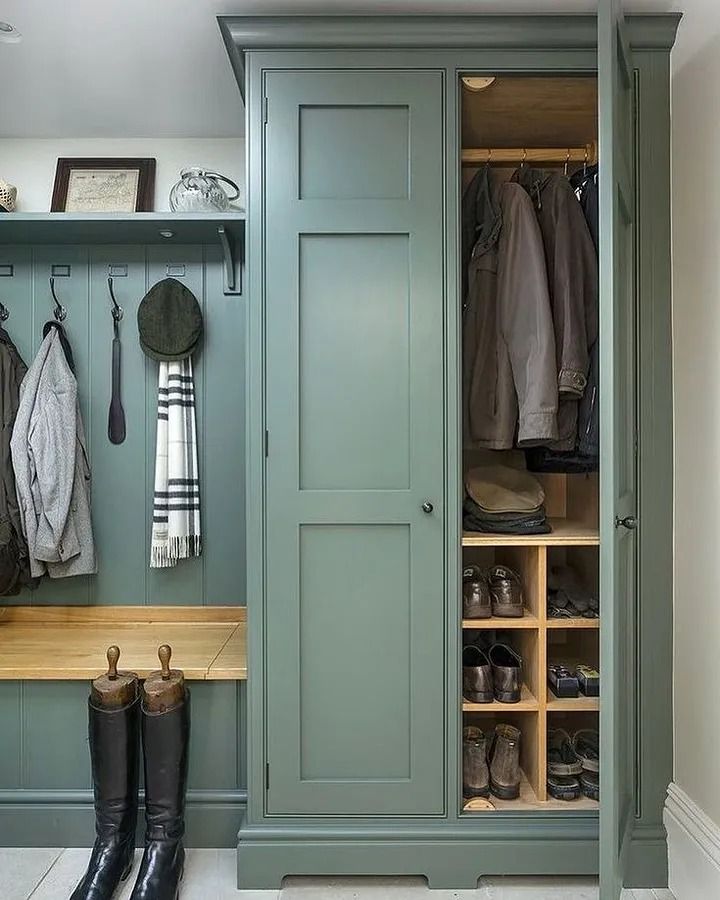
<point>354,450</point>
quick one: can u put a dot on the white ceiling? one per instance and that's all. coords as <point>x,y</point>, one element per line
<point>158,68</point>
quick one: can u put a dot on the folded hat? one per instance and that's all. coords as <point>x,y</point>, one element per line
<point>8,196</point>
<point>170,321</point>
<point>503,489</point>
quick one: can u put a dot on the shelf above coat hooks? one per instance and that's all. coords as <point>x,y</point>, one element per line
<point>226,230</point>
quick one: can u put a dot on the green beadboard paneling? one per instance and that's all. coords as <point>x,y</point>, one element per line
<point>123,475</point>
<point>54,734</point>
<point>11,736</point>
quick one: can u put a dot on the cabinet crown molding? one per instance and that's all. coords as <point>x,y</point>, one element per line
<point>413,32</point>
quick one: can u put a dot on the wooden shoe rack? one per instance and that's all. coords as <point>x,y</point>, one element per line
<point>572,507</point>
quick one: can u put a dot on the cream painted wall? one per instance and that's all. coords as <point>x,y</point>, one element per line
<point>696,324</point>
<point>30,164</point>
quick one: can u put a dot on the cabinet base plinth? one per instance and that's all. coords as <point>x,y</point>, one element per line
<point>450,857</point>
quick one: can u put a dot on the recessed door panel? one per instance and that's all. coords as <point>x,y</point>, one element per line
<point>338,677</point>
<point>354,302</point>
<point>334,158</point>
<point>354,305</point>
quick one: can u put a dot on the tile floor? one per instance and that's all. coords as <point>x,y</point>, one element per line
<point>48,874</point>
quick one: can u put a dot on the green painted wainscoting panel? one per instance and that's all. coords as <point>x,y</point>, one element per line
<point>123,475</point>
<point>45,782</point>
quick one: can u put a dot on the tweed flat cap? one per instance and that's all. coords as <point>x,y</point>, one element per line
<point>170,321</point>
<point>502,489</point>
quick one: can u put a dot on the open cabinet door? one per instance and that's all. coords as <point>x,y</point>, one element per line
<point>618,570</point>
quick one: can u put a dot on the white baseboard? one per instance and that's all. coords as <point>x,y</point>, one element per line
<point>693,848</point>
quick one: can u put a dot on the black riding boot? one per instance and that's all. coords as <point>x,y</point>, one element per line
<point>114,753</point>
<point>165,742</point>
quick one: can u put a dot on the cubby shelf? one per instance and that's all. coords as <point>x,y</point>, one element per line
<point>572,704</point>
<point>497,622</point>
<point>565,533</point>
<point>572,507</point>
<point>573,623</point>
<point>528,800</point>
<point>527,703</point>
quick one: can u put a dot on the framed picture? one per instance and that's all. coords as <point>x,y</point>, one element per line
<point>104,185</point>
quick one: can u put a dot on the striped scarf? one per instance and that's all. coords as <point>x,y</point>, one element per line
<point>176,507</point>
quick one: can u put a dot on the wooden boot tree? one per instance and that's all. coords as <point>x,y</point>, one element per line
<point>114,689</point>
<point>165,689</point>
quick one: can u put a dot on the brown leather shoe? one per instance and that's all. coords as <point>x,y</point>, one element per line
<point>506,673</point>
<point>476,593</point>
<point>506,592</point>
<point>504,759</point>
<point>477,675</point>
<point>476,776</point>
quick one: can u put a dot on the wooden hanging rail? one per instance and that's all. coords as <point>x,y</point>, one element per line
<point>516,155</point>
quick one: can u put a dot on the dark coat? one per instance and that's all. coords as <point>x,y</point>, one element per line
<point>14,560</point>
<point>573,282</point>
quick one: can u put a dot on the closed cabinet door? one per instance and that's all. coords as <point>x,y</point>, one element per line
<point>353,168</point>
<point>619,412</point>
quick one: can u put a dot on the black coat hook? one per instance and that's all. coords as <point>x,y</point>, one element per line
<point>117,310</point>
<point>59,312</point>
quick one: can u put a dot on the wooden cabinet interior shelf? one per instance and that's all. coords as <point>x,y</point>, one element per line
<point>572,704</point>
<point>527,703</point>
<point>69,642</point>
<point>565,533</point>
<point>528,800</point>
<point>573,623</point>
<point>502,624</point>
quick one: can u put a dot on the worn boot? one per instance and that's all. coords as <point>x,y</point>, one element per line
<point>114,753</point>
<point>477,675</point>
<point>504,761</point>
<point>165,733</point>
<point>476,779</point>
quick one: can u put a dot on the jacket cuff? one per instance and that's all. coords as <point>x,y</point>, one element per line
<point>572,382</point>
<point>536,428</point>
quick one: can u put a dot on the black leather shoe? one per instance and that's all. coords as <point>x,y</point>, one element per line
<point>477,675</point>
<point>506,672</point>
<point>476,594</point>
<point>506,591</point>
<point>114,754</point>
<point>165,742</point>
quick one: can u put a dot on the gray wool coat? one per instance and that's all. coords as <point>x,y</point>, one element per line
<point>510,386</point>
<point>52,473</point>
